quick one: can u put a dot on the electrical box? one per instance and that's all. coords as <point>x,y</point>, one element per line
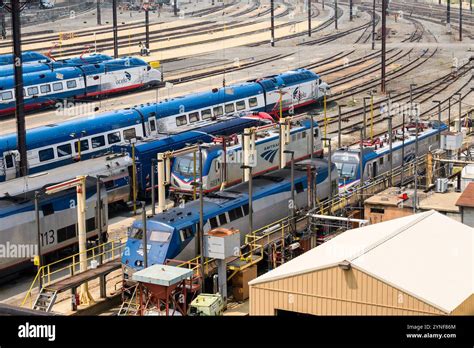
<point>441,185</point>
<point>451,140</point>
<point>207,305</point>
<point>221,243</point>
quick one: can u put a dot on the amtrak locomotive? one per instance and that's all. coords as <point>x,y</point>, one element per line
<point>171,234</point>
<point>267,152</point>
<point>376,154</point>
<point>47,87</point>
<point>49,146</point>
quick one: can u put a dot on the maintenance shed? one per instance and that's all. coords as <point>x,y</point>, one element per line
<point>420,264</point>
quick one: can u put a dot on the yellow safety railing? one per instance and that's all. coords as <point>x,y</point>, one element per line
<point>108,251</point>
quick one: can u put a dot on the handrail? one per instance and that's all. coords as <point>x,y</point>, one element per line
<point>44,272</point>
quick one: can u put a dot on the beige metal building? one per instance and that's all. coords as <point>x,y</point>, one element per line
<point>416,265</point>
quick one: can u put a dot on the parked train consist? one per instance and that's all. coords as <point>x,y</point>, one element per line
<point>171,234</point>
<point>47,87</point>
<point>376,155</point>
<point>267,158</point>
<point>57,144</point>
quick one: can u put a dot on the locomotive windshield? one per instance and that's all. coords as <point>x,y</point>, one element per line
<point>155,236</point>
<point>347,166</point>
<point>185,165</point>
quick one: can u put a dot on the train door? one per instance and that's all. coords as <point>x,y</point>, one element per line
<point>10,163</point>
<point>374,169</point>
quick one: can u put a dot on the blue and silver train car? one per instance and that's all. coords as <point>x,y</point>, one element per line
<point>171,234</point>
<point>174,115</point>
<point>58,215</point>
<point>376,155</point>
<point>47,87</point>
<point>267,158</point>
<point>26,57</point>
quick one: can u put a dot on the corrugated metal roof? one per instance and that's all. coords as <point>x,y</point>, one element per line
<point>467,197</point>
<point>427,255</point>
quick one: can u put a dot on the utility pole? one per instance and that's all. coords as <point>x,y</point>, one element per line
<point>448,12</point>
<point>272,22</point>
<point>403,150</point>
<point>460,20</point>
<point>175,8</point>
<point>339,141</point>
<point>335,14</point>
<point>3,27</point>
<point>439,120</point>
<point>99,20</point>
<point>373,25</point>
<point>15,10</point>
<point>350,10</point>
<point>201,219</point>
<point>145,237</point>
<point>309,18</point>
<point>292,178</point>
<point>147,29</point>
<point>384,36</point>
<point>114,24</point>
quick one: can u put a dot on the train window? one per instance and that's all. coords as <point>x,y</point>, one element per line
<point>71,84</point>
<point>222,219</point>
<point>218,111</point>
<point>7,95</point>
<point>32,90</point>
<point>193,117</point>
<point>377,210</point>
<point>185,234</point>
<point>381,160</point>
<point>299,187</point>
<point>232,215</point>
<point>84,145</point>
<point>316,133</point>
<point>229,108</point>
<point>129,134</point>
<point>9,161</point>
<point>136,233</point>
<point>181,120</point>
<point>46,155</point>
<point>90,224</point>
<point>45,89</point>
<point>240,105</point>
<point>213,222</point>
<point>66,233</point>
<point>303,135</point>
<point>152,125</point>
<point>206,114</point>
<point>98,141</point>
<point>113,137</point>
<point>159,236</point>
<point>64,150</point>
<point>47,209</point>
<point>253,102</point>
<point>239,213</point>
<point>58,86</point>
<point>246,209</point>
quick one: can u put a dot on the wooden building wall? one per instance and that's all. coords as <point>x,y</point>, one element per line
<point>333,291</point>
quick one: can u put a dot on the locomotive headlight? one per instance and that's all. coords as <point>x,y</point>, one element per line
<point>138,263</point>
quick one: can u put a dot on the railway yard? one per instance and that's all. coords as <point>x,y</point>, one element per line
<point>251,140</point>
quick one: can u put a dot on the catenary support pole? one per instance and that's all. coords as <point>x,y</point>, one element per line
<point>114,27</point>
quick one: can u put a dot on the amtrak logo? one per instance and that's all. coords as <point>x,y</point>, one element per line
<point>269,155</point>
<point>126,79</point>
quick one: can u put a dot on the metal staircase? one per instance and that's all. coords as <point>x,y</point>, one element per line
<point>45,300</point>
